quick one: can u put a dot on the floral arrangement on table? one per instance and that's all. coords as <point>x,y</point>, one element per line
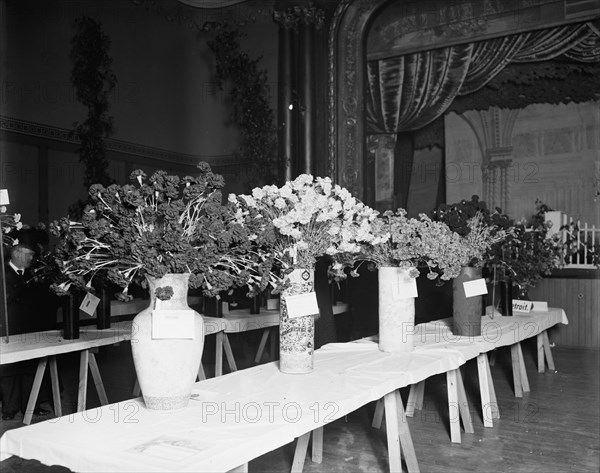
<point>151,227</point>
<point>13,228</point>
<point>527,253</point>
<point>302,220</point>
<point>479,229</point>
<point>407,243</point>
<point>9,223</point>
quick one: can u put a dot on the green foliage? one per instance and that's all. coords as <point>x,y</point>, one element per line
<point>527,254</point>
<point>153,226</point>
<point>251,110</point>
<point>93,80</point>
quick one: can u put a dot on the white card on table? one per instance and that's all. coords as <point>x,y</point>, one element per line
<point>174,323</point>
<point>89,304</point>
<point>541,306</point>
<point>404,289</point>
<point>4,200</point>
<point>476,287</point>
<point>302,304</point>
<point>522,306</point>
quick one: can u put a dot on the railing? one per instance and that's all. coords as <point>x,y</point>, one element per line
<point>581,242</point>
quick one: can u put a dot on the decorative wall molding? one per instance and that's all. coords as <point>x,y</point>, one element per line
<point>239,14</point>
<point>294,17</point>
<point>63,135</point>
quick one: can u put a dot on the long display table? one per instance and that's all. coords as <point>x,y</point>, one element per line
<point>237,417</point>
<point>234,418</point>
<point>496,332</point>
<point>45,346</point>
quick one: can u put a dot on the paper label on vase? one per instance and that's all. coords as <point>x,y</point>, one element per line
<point>89,304</point>
<point>404,289</point>
<point>301,305</point>
<point>540,306</point>
<point>174,323</point>
<point>476,287</point>
<point>522,306</point>
<point>4,200</point>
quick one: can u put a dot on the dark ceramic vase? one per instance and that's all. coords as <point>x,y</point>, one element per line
<point>506,292</point>
<point>70,307</point>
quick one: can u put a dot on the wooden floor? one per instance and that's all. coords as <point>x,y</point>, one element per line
<point>554,428</point>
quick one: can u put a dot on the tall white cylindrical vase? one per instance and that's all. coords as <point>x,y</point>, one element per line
<point>396,312</point>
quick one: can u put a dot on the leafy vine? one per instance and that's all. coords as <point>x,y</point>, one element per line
<point>251,110</point>
<point>94,80</point>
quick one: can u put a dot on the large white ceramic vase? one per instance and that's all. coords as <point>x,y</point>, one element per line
<point>396,313</point>
<point>166,368</point>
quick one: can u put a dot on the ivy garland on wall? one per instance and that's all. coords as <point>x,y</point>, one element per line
<point>93,80</point>
<point>251,110</point>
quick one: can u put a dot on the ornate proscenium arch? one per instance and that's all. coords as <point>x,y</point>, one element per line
<point>410,27</point>
<point>346,84</point>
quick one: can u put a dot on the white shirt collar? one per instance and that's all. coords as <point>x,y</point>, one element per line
<point>12,265</point>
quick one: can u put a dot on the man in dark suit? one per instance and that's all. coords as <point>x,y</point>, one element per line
<point>26,313</point>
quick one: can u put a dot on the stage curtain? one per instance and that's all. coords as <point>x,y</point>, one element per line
<point>407,92</point>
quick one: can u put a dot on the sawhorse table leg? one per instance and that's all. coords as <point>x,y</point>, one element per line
<point>219,354</point>
<point>520,379</point>
<point>415,398</point>
<point>302,447</point>
<point>223,345</point>
<point>457,398</point>
<point>543,347</point>
<point>415,401</point>
<point>229,353</point>
<point>263,343</point>
<point>489,404</point>
<point>37,383</point>
<point>398,434</point>
<point>87,359</point>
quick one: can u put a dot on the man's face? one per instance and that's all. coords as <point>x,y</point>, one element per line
<point>22,257</point>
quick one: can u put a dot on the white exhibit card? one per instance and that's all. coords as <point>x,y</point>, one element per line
<point>302,304</point>
<point>540,306</point>
<point>476,287</point>
<point>89,304</point>
<point>174,323</point>
<point>405,288</point>
<point>4,200</point>
<point>224,307</point>
<point>522,306</point>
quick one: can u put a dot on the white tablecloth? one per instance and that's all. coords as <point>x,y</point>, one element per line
<point>29,346</point>
<point>496,332</point>
<point>236,417</point>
